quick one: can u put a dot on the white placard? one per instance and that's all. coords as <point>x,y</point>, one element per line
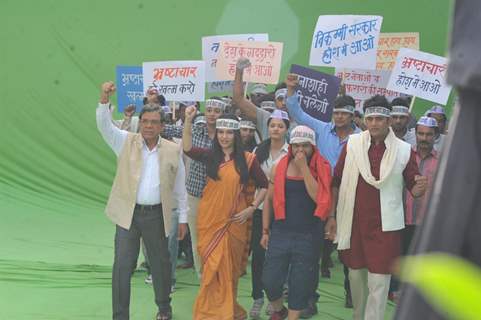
<point>265,58</point>
<point>211,45</point>
<point>176,80</point>
<point>345,41</point>
<point>362,84</point>
<point>420,74</point>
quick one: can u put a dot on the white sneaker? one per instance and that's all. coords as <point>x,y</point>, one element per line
<point>148,279</point>
<point>255,312</point>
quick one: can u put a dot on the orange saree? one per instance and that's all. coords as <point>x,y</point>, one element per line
<point>223,246</point>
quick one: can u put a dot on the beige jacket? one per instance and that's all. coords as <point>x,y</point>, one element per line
<point>121,203</point>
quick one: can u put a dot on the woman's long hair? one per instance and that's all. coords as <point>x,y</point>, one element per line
<point>264,148</point>
<point>216,157</point>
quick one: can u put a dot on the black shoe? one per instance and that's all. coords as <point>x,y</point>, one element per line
<point>348,303</point>
<point>310,311</point>
<point>325,273</point>
<point>329,263</point>
<point>185,265</point>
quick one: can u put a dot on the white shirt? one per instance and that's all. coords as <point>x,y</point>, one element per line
<point>439,142</point>
<point>149,185</point>
<point>270,162</point>
<point>148,192</point>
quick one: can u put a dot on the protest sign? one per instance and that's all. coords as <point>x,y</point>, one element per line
<point>316,91</point>
<point>363,84</point>
<point>211,45</point>
<point>265,58</point>
<point>176,80</point>
<point>389,45</point>
<point>346,41</point>
<point>129,83</point>
<point>420,74</point>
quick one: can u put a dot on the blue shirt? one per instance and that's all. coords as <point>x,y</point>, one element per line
<point>327,141</point>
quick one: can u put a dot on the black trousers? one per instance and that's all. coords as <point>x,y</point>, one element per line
<point>318,244</point>
<point>148,224</point>
<point>258,256</point>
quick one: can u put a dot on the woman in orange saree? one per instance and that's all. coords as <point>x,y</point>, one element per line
<point>224,214</point>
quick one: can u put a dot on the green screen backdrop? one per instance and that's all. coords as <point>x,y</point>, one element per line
<point>55,169</point>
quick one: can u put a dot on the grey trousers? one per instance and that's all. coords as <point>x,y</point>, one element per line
<point>148,224</point>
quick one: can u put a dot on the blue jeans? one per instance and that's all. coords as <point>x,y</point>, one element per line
<point>173,242</point>
<point>290,256</point>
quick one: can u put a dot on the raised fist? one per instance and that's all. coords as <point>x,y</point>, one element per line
<point>129,110</point>
<point>243,63</point>
<point>292,80</point>
<point>108,88</point>
<point>190,112</point>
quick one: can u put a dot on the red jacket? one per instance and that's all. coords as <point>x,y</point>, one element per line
<point>320,170</point>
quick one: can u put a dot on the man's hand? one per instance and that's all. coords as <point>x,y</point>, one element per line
<point>264,241</point>
<point>244,215</point>
<point>181,231</point>
<point>330,229</point>
<point>420,187</point>
<point>129,111</point>
<point>300,161</point>
<point>292,80</point>
<point>107,89</point>
<point>243,63</point>
<point>152,91</point>
<point>190,113</point>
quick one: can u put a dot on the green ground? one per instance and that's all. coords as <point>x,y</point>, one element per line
<point>55,263</point>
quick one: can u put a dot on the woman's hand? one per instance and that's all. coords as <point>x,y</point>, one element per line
<point>244,215</point>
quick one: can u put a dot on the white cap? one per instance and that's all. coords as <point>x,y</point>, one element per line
<point>302,134</point>
<point>281,93</point>
<point>427,122</point>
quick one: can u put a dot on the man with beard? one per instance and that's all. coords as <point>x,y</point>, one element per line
<point>247,133</point>
<point>427,160</point>
<point>437,112</point>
